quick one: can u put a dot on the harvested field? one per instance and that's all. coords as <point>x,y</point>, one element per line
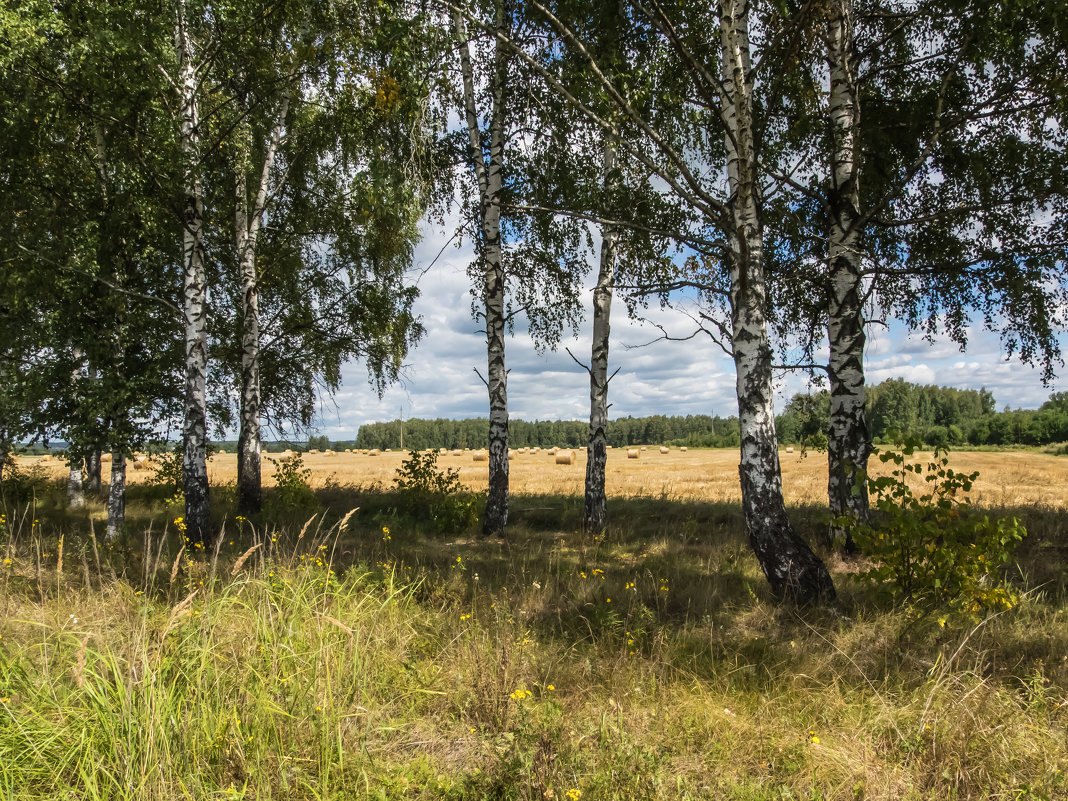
<point>1007,479</point>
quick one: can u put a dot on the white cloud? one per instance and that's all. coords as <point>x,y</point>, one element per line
<point>693,377</point>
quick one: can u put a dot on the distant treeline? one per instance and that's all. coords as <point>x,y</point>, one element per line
<point>938,416</point>
<point>696,430</point>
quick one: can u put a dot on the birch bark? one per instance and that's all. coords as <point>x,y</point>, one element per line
<point>75,488</point>
<point>247,226</point>
<point>790,566</point>
<point>117,495</point>
<point>194,295</point>
<point>849,442</point>
<point>490,177</point>
<point>597,450</point>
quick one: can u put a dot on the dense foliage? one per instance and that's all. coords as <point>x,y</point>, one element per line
<point>936,416</point>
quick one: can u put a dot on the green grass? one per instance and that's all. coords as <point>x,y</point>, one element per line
<point>647,664</point>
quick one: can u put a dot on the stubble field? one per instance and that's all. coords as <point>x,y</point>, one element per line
<point>1007,479</point>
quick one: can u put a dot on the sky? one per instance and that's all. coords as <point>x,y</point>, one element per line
<point>671,378</point>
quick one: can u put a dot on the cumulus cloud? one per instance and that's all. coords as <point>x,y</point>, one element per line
<point>692,377</point>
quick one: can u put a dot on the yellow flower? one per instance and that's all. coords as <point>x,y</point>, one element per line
<point>519,694</point>
<point>550,687</point>
<point>573,794</point>
<point>812,736</point>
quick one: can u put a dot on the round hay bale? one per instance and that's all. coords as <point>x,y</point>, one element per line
<point>633,453</point>
<point>105,457</point>
<point>139,465</point>
<point>511,454</point>
<point>457,452</point>
<point>683,449</point>
<point>664,449</point>
<point>644,448</point>
<point>443,450</point>
<point>329,453</point>
<point>552,451</point>
<point>535,449</point>
<point>790,449</point>
<point>313,450</point>
<point>373,452</point>
<point>480,456</point>
<point>348,450</point>
<point>565,457</point>
<point>388,450</point>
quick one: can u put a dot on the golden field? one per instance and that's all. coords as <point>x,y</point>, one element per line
<point>1007,478</point>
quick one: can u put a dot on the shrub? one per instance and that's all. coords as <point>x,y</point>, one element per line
<point>429,492</point>
<point>292,491</point>
<point>934,548</point>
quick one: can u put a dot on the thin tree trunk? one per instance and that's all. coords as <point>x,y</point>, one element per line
<point>849,444</point>
<point>790,566</point>
<point>597,448</point>
<point>117,495</point>
<point>92,471</point>
<point>194,299</point>
<point>75,486</point>
<point>247,226</point>
<point>495,518</point>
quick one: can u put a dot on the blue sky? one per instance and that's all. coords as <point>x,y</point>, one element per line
<point>664,378</point>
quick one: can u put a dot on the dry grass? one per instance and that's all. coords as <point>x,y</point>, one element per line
<point>1007,479</point>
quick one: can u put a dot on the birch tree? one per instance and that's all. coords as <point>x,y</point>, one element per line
<point>925,237</point>
<point>543,259</point>
<point>330,163</point>
<point>713,126</point>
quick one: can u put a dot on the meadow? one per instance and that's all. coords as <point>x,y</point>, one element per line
<point>326,653</point>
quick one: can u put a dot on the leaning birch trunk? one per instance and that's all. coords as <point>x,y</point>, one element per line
<point>117,495</point>
<point>790,566</point>
<point>597,449</point>
<point>247,227</point>
<point>849,443</point>
<point>194,299</point>
<point>495,518</point>
<point>75,486</point>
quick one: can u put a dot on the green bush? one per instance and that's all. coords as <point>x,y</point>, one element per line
<point>431,493</point>
<point>934,548</point>
<point>292,492</point>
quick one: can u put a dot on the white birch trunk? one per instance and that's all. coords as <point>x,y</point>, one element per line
<point>849,443</point>
<point>75,487</point>
<point>247,226</point>
<point>597,449</point>
<point>789,565</point>
<point>117,495</point>
<point>495,518</point>
<point>194,297</point>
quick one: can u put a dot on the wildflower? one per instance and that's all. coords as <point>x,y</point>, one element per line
<point>519,694</point>
<point>812,736</point>
<point>630,586</point>
<point>573,794</point>
<point>4,700</point>
<point>465,617</point>
<point>550,687</point>
<point>608,600</point>
<point>7,562</point>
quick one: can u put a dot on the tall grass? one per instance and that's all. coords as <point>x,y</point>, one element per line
<point>331,659</point>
